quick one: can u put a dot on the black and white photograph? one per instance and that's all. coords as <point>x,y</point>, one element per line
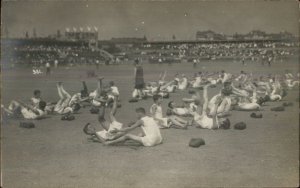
<point>149,94</point>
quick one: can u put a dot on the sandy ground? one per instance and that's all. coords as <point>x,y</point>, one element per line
<point>57,154</point>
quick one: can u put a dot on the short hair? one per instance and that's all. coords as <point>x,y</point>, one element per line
<point>227,83</point>
<point>42,105</point>
<point>76,107</point>
<point>140,110</point>
<point>84,93</point>
<point>169,112</point>
<point>225,124</point>
<point>37,91</point>
<point>112,83</point>
<point>170,104</point>
<point>156,97</point>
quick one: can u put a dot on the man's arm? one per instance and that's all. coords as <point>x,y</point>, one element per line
<point>153,110</point>
<point>135,125</point>
<point>215,115</point>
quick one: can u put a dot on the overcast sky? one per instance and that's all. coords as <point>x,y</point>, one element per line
<point>156,20</point>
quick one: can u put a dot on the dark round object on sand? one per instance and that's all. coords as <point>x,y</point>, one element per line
<point>67,117</point>
<point>256,115</point>
<point>70,118</point>
<point>286,104</point>
<point>94,110</point>
<point>196,142</point>
<point>225,124</point>
<point>240,126</point>
<point>27,125</point>
<point>133,100</point>
<point>277,109</point>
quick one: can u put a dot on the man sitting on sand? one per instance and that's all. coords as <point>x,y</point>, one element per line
<point>209,121</point>
<point>108,126</point>
<point>17,108</point>
<point>151,132</point>
<point>171,121</point>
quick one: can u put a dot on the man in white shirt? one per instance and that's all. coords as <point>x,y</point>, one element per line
<point>151,132</point>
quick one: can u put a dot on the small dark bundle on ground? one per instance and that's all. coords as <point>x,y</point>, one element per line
<point>278,109</point>
<point>133,100</point>
<point>27,125</point>
<point>213,86</point>
<point>94,110</point>
<point>225,124</point>
<point>240,126</point>
<point>67,117</point>
<point>286,104</point>
<point>256,115</point>
<point>192,92</point>
<point>196,142</point>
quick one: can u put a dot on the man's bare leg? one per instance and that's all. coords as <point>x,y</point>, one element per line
<point>101,118</point>
<point>177,124</point>
<point>60,94</point>
<point>9,112</point>
<point>99,87</point>
<point>124,138</point>
<point>64,92</point>
<point>113,110</point>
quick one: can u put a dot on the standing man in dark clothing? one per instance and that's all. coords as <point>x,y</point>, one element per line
<point>139,78</point>
<point>48,68</point>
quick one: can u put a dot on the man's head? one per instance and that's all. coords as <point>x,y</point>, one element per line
<point>157,99</point>
<point>227,89</point>
<point>42,105</point>
<point>140,112</point>
<point>171,104</point>
<point>136,62</point>
<point>76,107</point>
<point>224,123</point>
<point>111,83</point>
<point>234,101</point>
<point>37,93</point>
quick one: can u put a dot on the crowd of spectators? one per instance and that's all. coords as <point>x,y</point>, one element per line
<point>39,55</point>
<point>212,51</point>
